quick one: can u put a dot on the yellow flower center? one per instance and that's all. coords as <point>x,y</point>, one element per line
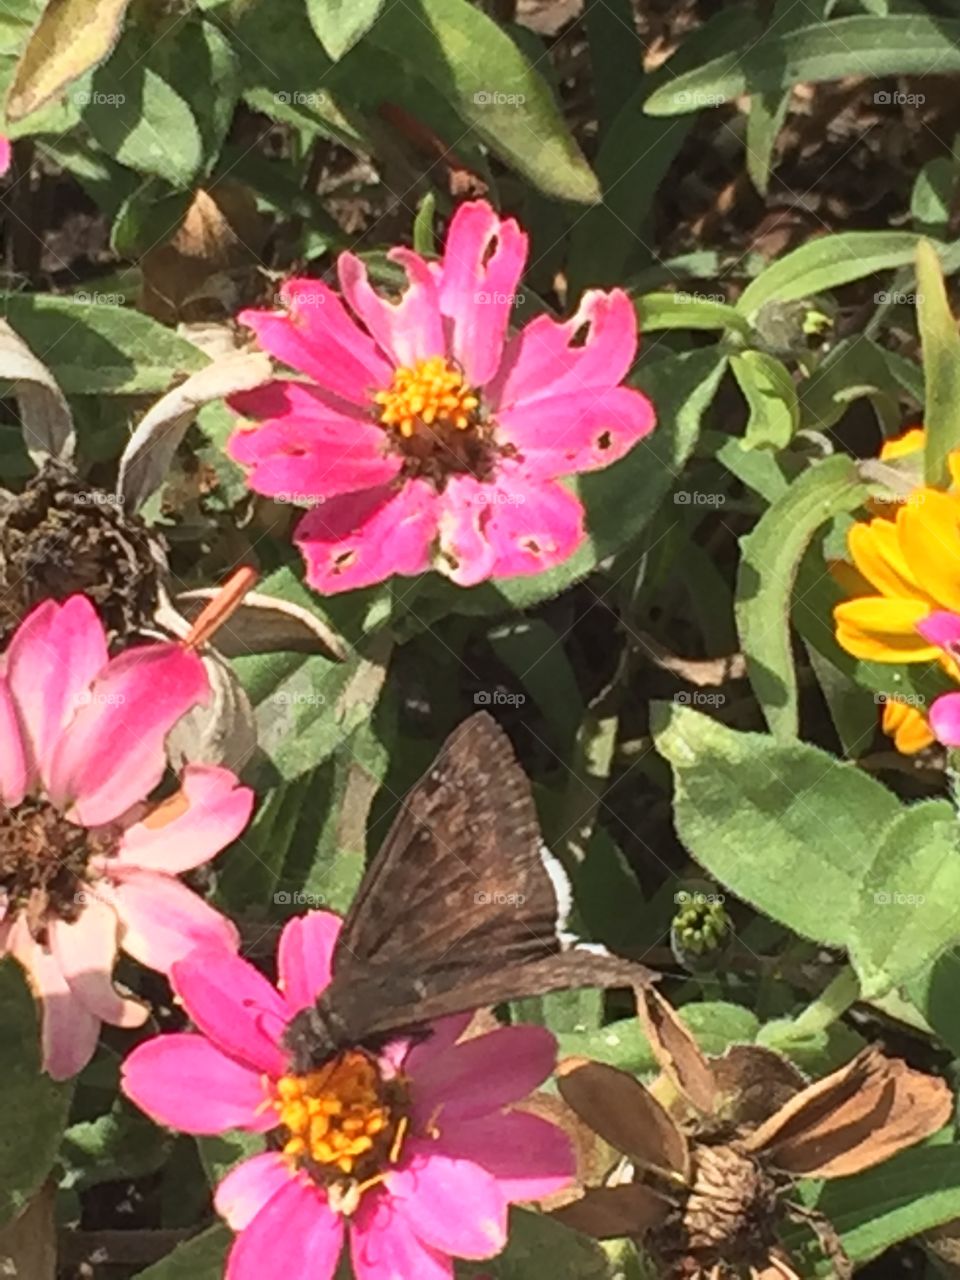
<point>341,1119</point>
<point>432,392</point>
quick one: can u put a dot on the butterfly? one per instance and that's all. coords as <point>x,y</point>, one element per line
<point>462,908</point>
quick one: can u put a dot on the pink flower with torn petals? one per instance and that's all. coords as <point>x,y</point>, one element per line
<point>87,865</point>
<point>411,1157</point>
<point>422,433</point>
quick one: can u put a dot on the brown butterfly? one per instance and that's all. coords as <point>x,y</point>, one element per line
<point>462,908</point>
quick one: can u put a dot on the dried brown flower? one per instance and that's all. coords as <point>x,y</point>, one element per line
<point>709,1174</point>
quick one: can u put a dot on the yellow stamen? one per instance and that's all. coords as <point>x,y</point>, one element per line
<point>338,1114</point>
<point>432,392</point>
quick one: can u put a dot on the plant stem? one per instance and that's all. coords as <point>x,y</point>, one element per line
<point>830,1005</point>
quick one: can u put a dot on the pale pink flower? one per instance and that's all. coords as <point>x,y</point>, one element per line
<point>412,1156</point>
<point>422,433</point>
<point>87,865</point>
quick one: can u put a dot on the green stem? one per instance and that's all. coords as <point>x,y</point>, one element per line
<point>830,1005</point>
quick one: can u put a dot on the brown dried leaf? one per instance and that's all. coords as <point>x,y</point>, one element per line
<point>44,412</point>
<point>607,1213</point>
<point>594,1157</point>
<point>753,1082</point>
<point>71,37</point>
<point>677,1051</point>
<point>624,1114</point>
<point>265,624</point>
<point>854,1119</point>
<point>28,1244</point>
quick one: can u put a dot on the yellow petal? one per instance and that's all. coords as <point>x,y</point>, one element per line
<point>928,526</point>
<point>850,582</point>
<point>878,629</point>
<point>953,466</point>
<point>907,726</point>
<point>877,554</point>
<point>900,446</point>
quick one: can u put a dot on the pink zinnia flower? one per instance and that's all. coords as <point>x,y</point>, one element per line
<point>414,1154</point>
<point>425,435</point>
<point>943,628</point>
<point>86,867</point>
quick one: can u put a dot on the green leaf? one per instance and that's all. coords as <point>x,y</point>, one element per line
<point>424,236</point>
<point>826,263</point>
<point>539,1246</point>
<point>762,818</point>
<point>941,366</point>
<point>771,396</point>
<point>716,1024</point>
<point>771,556</point>
<point>137,118</point>
<point>933,194</point>
<point>934,993</point>
<point>122,1143</point>
<point>492,87</point>
<point>95,348</point>
<point>682,310</point>
<point>200,64</point>
<point>870,47</point>
<point>339,24</point>
<point>910,901</point>
<point>201,1258</point>
<point>33,1111</point>
<point>914,1192</point>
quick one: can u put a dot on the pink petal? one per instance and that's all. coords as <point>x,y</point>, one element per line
<point>484,1074</point>
<point>307,448</point>
<point>54,656</point>
<point>234,1005</point>
<point>6,155</point>
<point>305,956</point>
<point>363,538</point>
<point>295,1236</point>
<point>249,1186</point>
<point>483,261</point>
<point>408,330</point>
<point>163,920</point>
<point>945,719</point>
<point>511,527</point>
<point>544,360</point>
<point>86,951</point>
<point>941,628</point>
<point>184,1082</point>
<point>383,1246</point>
<point>70,1031</point>
<point>452,1205</point>
<point>13,760</point>
<point>576,432</point>
<point>208,812</point>
<point>112,753</point>
<point>529,1157</point>
<point>318,336</point>
<point>444,1033</point>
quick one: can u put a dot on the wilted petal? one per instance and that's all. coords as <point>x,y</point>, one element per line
<point>577,432</point>
<point>408,330</point>
<point>86,950</point>
<point>13,758</point>
<point>69,1030</point>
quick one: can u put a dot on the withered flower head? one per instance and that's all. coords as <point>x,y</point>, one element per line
<point>713,1158</point>
<point>61,537</point>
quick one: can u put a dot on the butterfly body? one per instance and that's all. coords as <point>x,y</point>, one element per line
<point>462,908</point>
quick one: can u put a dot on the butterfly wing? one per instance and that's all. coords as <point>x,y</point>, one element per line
<point>462,877</point>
